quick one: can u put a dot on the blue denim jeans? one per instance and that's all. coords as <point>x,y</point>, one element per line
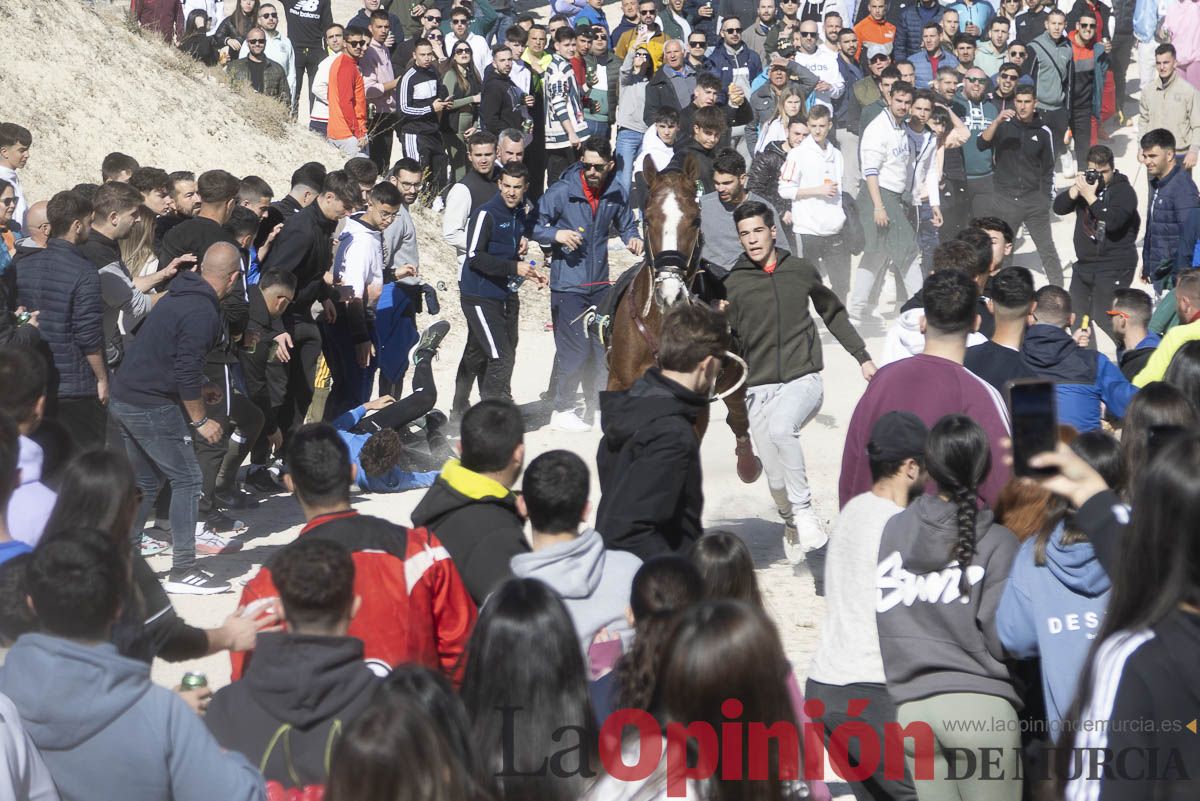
<point>159,444</point>
<point>629,142</point>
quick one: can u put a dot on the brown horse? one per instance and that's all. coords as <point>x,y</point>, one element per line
<point>672,222</point>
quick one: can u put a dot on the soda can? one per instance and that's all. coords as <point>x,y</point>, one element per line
<point>193,681</point>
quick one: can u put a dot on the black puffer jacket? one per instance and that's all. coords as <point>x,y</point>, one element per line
<point>648,463</point>
<point>64,287</point>
<point>305,248</point>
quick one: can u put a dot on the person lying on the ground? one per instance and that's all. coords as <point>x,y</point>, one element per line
<point>375,442</point>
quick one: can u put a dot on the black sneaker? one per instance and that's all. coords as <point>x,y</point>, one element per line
<point>221,523</point>
<point>428,344</point>
<point>194,581</point>
<point>260,481</point>
<point>233,498</point>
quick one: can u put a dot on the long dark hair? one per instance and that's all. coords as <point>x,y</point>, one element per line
<point>1157,408</point>
<point>242,23</point>
<point>727,568</point>
<point>98,491</point>
<point>958,458</point>
<point>724,650</point>
<point>190,29</point>
<point>662,587</point>
<point>1184,371</point>
<point>524,682</point>
<point>1158,562</point>
<point>394,751</point>
<point>433,693</point>
<point>466,79</point>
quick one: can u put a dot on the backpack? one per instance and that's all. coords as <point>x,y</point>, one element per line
<point>276,791</point>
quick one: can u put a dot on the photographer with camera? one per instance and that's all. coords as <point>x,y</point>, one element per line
<point>1106,232</point>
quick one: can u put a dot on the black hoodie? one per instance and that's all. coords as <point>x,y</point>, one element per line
<point>1106,231</point>
<point>648,463</point>
<point>476,518</point>
<point>1024,157</point>
<point>300,693</point>
<point>501,104</point>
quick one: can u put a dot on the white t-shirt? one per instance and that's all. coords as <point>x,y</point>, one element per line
<point>849,649</point>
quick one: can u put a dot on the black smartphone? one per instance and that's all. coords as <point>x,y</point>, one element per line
<point>1031,403</point>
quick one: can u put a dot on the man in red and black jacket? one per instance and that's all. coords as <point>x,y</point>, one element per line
<point>415,607</point>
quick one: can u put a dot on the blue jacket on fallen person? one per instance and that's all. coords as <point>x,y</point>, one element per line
<point>396,479</point>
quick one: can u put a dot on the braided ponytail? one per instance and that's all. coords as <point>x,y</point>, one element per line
<point>958,457</point>
<point>964,549</point>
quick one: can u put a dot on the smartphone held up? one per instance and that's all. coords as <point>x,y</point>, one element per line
<point>1034,415</point>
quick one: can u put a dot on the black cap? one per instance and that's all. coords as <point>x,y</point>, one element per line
<point>897,436</point>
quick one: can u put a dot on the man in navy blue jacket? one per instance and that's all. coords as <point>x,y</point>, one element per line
<point>732,61</point>
<point>574,217</point>
<point>491,275</point>
<point>61,285</point>
<point>157,401</point>
<point>1172,197</point>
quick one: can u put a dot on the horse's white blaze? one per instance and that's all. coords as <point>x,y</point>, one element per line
<point>670,290</point>
<point>672,219</point>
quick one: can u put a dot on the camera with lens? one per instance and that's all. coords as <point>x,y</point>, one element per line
<point>1093,177</point>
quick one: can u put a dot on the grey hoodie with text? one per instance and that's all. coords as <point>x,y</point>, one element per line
<point>106,731</point>
<point>594,583</point>
<point>932,639</point>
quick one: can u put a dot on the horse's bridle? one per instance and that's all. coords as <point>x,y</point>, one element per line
<point>670,265</point>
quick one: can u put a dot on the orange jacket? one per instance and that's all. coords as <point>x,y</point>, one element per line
<point>415,607</point>
<point>347,100</point>
<point>871,32</point>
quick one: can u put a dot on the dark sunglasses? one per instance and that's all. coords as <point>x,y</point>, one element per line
<point>458,21</point>
<point>732,30</point>
<point>697,44</point>
<point>433,18</point>
<point>462,51</point>
<point>1087,25</point>
<point>647,12</point>
<point>434,37</point>
<point>1020,53</point>
<point>593,167</point>
<point>348,42</point>
<point>256,41</point>
<point>269,16</point>
<point>1010,76</point>
<point>969,79</point>
<point>9,201</point>
<point>808,34</point>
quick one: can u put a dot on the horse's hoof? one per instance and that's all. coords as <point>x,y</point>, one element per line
<point>749,466</point>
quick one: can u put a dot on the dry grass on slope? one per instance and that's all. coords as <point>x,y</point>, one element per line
<point>87,83</point>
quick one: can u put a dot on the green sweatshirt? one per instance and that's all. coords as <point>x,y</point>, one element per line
<point>772,328</point>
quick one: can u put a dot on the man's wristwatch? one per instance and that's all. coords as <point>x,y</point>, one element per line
<point>199,423</point>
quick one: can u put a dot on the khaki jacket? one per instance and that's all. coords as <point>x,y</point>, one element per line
<point>1175,107</point>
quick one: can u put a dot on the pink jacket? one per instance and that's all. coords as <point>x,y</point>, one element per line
<point>376,68</point>
<point>1182,21</point>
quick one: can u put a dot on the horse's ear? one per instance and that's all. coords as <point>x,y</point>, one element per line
<point>649,172</point>
<point>691,170</point>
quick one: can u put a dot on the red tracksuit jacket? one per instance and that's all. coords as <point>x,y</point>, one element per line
<point>414,605</point>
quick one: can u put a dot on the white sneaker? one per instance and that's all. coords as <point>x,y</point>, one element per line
<point>210,543</point>
<point>808,529</point>
<point>149,546</point>
<point>568,421</point>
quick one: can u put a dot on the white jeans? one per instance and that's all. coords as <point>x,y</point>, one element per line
<point>777,413</point>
